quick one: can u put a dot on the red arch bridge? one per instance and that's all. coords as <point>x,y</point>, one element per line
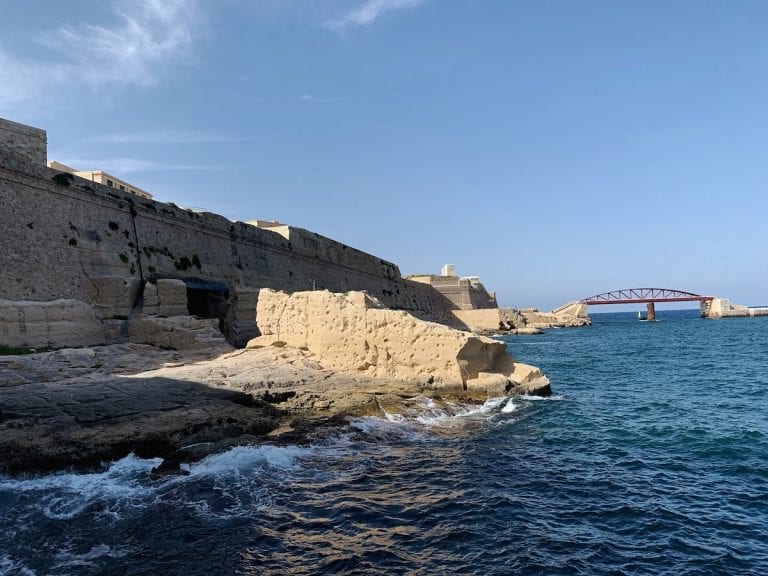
<point>648,296</point>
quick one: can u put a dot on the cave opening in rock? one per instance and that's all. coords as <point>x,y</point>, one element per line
<point>207,299</point>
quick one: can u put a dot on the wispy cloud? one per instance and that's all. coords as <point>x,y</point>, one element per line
<point>145,38</point>
<point>133,165</point>
<point>174,137</point>
<point>368,12</point>
<point>319,100</point>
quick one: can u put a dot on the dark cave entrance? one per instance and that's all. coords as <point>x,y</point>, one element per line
<point>207,299</point>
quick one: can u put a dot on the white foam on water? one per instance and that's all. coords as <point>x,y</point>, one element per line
<point>126,483</point>
<point>430,414</point>
<point>394,417</point>
<point>65,558</point>
<point>372,425</point>
<point>390,428</point>
<point>65,495</point>
<point>9,567</point>
<point>456,413</point>
<point>542,398</point>
<point>242,459</point>
<point>510,406</point>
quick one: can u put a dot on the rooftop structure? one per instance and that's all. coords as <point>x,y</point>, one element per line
<point>272,225</point>
<point>463,293</point>
<point>101,177</point>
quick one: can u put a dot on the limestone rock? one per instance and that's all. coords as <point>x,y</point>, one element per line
<point>151,299</point>
<point>178,332</point>
<point>536,387</point>
<point>240,322</point>
<point>527,331</point>
<point>351,333</point>
<point>52,324</point>
<point>114,295</point>
<point>556,319</point>
<point>529,379</point>
<point>166,297</point>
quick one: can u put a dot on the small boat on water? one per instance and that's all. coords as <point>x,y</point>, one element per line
<point>640,315</point>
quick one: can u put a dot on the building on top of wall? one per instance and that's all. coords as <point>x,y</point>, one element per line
<point>101,177</point>
<point>463,293</point>
<point>273,225</point>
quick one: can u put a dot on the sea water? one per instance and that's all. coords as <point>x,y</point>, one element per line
<point>650,458</point>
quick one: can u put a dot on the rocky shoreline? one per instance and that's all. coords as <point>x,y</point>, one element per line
<point>322,357</point>
<point>77,408</point>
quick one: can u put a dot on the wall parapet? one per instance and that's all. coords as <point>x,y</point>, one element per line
<point>27,145</point>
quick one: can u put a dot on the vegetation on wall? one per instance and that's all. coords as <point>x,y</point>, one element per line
<point>63,178</point>
<point>183,263</point>
<point>16,351</point>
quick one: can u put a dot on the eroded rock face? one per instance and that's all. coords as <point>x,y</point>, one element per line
<point>53,324</point>
<point>178,333</point>
<point>352,333</point>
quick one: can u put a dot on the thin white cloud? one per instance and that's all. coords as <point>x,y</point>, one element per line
<point>173,137</point>
<point>319,100</point>
<point>368,12</point>
<point>133,165</point>
<point>147,36</point>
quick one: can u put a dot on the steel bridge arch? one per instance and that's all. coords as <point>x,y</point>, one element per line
<point>640,295</point>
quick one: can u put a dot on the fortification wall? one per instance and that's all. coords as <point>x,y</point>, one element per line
<point>481,320</point>
<point>89,242</point>
<point>466,296</point>
<point>29,144</point>
<point>458,293</point>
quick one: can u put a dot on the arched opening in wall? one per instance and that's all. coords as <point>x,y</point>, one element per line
<point>207,299</point>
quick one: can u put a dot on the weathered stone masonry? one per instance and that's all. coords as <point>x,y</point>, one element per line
<point>71,238</point>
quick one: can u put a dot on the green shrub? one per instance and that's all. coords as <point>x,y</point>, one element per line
<point>183,263</point>
<point>63,178</point>
<point>18,351</point>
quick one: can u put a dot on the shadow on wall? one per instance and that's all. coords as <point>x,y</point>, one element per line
<point>207,300</point>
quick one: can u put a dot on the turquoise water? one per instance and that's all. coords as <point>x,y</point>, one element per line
<point>651,458</point>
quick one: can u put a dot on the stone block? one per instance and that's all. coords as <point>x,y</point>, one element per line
<point>178,332</point>
<point>114,295</point>
<point>53,324</point>
<point>165,297</point>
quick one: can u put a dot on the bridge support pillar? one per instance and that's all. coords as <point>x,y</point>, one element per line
<point>651,312</point>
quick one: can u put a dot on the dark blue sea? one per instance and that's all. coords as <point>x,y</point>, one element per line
<point>650,458</point>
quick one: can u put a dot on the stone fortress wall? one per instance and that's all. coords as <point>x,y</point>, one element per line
<point>462,293</point>
<point>22,147</point>
<point>69,238</point>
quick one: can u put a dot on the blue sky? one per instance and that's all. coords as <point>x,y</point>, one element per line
<point>555,149</point>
